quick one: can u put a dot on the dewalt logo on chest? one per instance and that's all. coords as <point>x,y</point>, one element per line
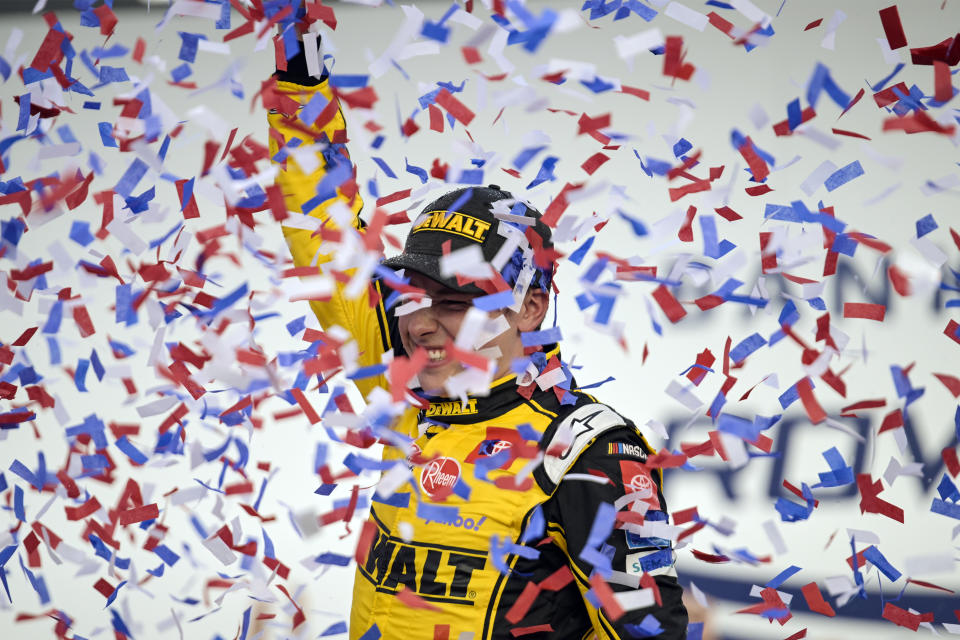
<point>452,222</point>
<point>438,573</point>
<point>455,408</point>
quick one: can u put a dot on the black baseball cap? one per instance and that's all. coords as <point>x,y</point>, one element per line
<point>463,218</point>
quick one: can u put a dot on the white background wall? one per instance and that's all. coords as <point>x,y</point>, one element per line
<point>730,88</point>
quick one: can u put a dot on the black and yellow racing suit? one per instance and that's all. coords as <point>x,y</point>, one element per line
<point>514,527</point>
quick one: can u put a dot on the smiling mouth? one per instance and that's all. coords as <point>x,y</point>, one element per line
<point>436,356</point>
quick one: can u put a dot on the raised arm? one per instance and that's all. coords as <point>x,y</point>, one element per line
<point>316,177</point>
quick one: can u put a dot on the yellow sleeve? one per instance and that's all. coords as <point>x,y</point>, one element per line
<point>368,325</point>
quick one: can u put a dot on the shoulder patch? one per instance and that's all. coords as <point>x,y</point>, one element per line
<point>574,433</point>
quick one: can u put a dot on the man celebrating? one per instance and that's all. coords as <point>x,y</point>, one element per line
<point>518,505</point>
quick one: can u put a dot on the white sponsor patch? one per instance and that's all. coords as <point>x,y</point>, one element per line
<point>578,429</point>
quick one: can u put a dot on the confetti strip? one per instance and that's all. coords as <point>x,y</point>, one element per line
<point>143,325</point>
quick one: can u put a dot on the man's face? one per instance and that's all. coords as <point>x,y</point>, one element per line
<point>433,327</point>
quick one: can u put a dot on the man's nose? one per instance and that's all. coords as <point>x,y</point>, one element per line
<point>422,322</point>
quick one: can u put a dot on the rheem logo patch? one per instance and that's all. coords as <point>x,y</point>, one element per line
<point>439,476</point>
<point>636,477</point>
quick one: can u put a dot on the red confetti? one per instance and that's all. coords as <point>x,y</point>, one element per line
<point>436,118</point>
<point>594,162</point>
<point>670,306</point>
<point>729,214</point>
<point>518,632</point>
<point>870,503</point>
<point>758,167</point>
<point>633,91</point>
<point>684,516</point>
<point>892,420</point>
<point>903,618</point>
<point>852,134</point>
<point>709,557</point>
<point>864,310</point>
<point>308,409</point>
<point>928,585</point>
<point>759,190</point>
<point>855,100</point>
<point>83,321</point>
<point>454,107</point>
<point>811,593</point>
<point>673,64</point>
<point>952,383</point>
<point>813,25</point>
<point>890,18</point>
<point>949,455</point>
<point>951,331</point>
<point>605,594</point>
<point>557,580</point>
<point>25,337</point>
<point>917,122</point>
<point>942,89</point>
<point>685,234</point>
<point>814,411</point>
<point>87,508</point>
<point>523,602</point>
<point>138,514</point>
<point>412,600</point>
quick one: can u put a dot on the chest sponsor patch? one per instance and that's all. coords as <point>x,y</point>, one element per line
<point>439,476</point>
<point>649,562</point>
<point>442,409</point>
<point>636,477</point>
<point>497,440</point>
<point>626,449</point>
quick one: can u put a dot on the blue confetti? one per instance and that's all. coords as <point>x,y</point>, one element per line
<point>636,224</point>
<point>877,559</point>
<point>23,120</point>
<point>334,559</point>
<point>131,177</point>
<point>951,510</point>
<point>925,225</point>
<point>37,583</point>
<point>166,554</point>
<point>577,256</point>
<point>840,473</point>
<point>113,74</point>
<point>373,633</point>
<point>783,576</point>
<point>18,509</point>
<point>311,111</point>
<point>494,301</point>
<point>420,172</point>
<point>335,629</point>
<point>843,175</point>
<point>437,512</point>
<point>113,596</point>
<point>384,167</point>
<point>746,346</point>
<point>342,81</point>
<point>541,337</point>
<point>948,490</point>
<point>188,45</point>
<point>135,455</point>
<point>681,147</point>
<point>648,628</point>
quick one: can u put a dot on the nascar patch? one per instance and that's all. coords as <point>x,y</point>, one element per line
<point>626,449</point>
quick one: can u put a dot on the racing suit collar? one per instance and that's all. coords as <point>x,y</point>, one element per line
<point>502,396</point>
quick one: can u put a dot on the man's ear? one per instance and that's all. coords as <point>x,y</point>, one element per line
<point>533,310</point>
